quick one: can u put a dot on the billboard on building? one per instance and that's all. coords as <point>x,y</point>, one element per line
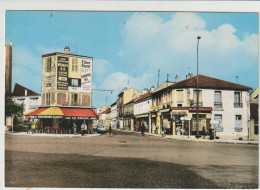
<point>62,73</point>
<point>86,75</point>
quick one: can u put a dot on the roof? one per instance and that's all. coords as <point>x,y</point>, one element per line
<point>131,101</point>
<point>254,110</point>
<point>19,90</point>
<point>68,54</point>
<point>163,86</point>
<point>106,111</point>
<point>114,103</point>
<point>144,96</point>
<point>209,83</point>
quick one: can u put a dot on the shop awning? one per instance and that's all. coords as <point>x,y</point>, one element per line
<point>79,113</point>
<point>63,112</point>
<point>143,115</point>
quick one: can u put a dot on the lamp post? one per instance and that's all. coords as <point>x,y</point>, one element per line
<point>197,123</point>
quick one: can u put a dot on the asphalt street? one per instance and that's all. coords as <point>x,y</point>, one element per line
<point>128,160</point>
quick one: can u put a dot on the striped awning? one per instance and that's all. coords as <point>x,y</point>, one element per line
<point>63,112</point>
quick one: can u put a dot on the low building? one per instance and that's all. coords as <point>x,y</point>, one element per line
<point>253,133</point>
<point>114,114</point>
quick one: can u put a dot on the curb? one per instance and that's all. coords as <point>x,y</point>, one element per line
<point>193,138</point>
<point>51,135</point>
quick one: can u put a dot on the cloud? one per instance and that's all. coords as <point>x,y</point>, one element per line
<point>100,69</point>
<point>151,42</point>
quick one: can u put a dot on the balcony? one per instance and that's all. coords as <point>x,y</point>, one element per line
<point>218,104</point>
<point>238,129</point>
<point>238,105</point>
<point>195,104</point>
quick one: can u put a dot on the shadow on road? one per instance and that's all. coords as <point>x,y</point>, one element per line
<point>72,170</point>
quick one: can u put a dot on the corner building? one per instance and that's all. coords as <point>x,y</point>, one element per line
<point>66,79</point>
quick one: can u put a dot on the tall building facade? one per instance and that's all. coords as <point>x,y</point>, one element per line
<point>66,79</point>
<point>8,69</point>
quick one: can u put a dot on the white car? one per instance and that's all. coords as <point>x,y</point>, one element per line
<point>101,129</point>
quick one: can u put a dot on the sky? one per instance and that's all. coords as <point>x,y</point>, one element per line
<point>128,48</point>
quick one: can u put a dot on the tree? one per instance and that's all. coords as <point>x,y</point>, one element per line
<point>12,108</point>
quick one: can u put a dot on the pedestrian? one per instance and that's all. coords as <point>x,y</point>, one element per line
<point>74,128</point>
<point>142,128</point>
<point>203,132</point>
<point>136,127</point>
<point>29,126</point>
<point>110,130</point>
<point>163,132</point>
<point>84,128</point>
<point>153,126</point>
<point>211,133</point>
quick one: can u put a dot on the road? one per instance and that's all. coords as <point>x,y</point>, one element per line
<point>127,160</point>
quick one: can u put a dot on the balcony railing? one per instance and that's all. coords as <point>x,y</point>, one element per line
<point>194,103</point>
<point>218,104</point>
<point>238,104</point>
<point>238,129</point>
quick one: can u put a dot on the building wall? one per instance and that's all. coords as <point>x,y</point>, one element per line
<point>63,97</point>
<point>27,102</point>
<point>130,94</point>
<point>8,69</point>
<point>142,107</point>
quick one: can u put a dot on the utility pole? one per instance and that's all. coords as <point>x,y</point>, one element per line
<point>197,123</point>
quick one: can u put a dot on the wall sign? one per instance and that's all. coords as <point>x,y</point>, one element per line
<point>86,75</point>
<point>62,73</point>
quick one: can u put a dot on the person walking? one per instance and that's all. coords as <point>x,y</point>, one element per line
<point>29,126</point>
<point>84,128</point>
<point>142,128</point>
<point>203,132</point>
<point>74,128</point>
<point>110,130</point>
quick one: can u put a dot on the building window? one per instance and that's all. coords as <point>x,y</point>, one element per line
<point>238,99</point>
<point>48,99</point>
<point>238,123</point>
<point>197,93</point>
<point>179,95</point>
<point>20,101</point>
<point>179,105</point>
<point>74,82</point>
<point>33,103</point>
<point>217,99</point>
<point>74,99</point>
<point>219,118</point>
<point>74,64</point>
<point>48,64</point>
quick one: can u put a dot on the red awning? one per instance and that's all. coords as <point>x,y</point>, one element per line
<point>36,112</point>
<point>201,109</point>
<point>79,113</point>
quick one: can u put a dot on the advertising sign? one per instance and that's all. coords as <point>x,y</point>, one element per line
<point>86,75</point>
<point>62,73</point>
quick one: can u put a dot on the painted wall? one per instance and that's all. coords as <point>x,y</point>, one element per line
<point>142,107</point>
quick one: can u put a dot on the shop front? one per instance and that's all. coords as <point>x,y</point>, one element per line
<point>142,118</point>
<point>62,119</point>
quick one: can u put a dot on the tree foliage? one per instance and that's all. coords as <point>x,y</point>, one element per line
<point>12,108</point>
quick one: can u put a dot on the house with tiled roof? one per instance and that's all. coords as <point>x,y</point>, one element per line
<point>27,97</point>
<point>114,115</point>
<point>105,117</point>
<point>142,109</point>
<point>217,100</point>
<point>254,116</point>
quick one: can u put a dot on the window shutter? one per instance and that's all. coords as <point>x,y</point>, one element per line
<point>79,83</point>
<point>76,64</point>
<point>69,81</point>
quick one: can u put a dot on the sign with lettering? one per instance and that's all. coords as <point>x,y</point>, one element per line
<point>86,75</point>
<point>62,73</point>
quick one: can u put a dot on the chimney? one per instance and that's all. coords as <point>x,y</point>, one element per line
<point>145,90</point>
<point>188,76</point>
<point>67,50</point>
<point>25,92</point>
<point>152,88</point>
<point>176,79</point>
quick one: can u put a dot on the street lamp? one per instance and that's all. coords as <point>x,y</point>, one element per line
<point>197,124</point>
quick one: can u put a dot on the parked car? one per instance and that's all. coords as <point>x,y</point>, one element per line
<point>101,129</point>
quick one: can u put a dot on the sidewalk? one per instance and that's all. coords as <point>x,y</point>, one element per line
<point>192,138</point>
<point>50,135</point>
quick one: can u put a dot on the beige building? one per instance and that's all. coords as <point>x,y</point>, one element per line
<point>66,79</point>
<point>8,69</point>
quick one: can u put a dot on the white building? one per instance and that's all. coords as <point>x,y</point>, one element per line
<point>142,108</point>
<point>114,114</point>
<point>219,100</point>
<point>27,97</point>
